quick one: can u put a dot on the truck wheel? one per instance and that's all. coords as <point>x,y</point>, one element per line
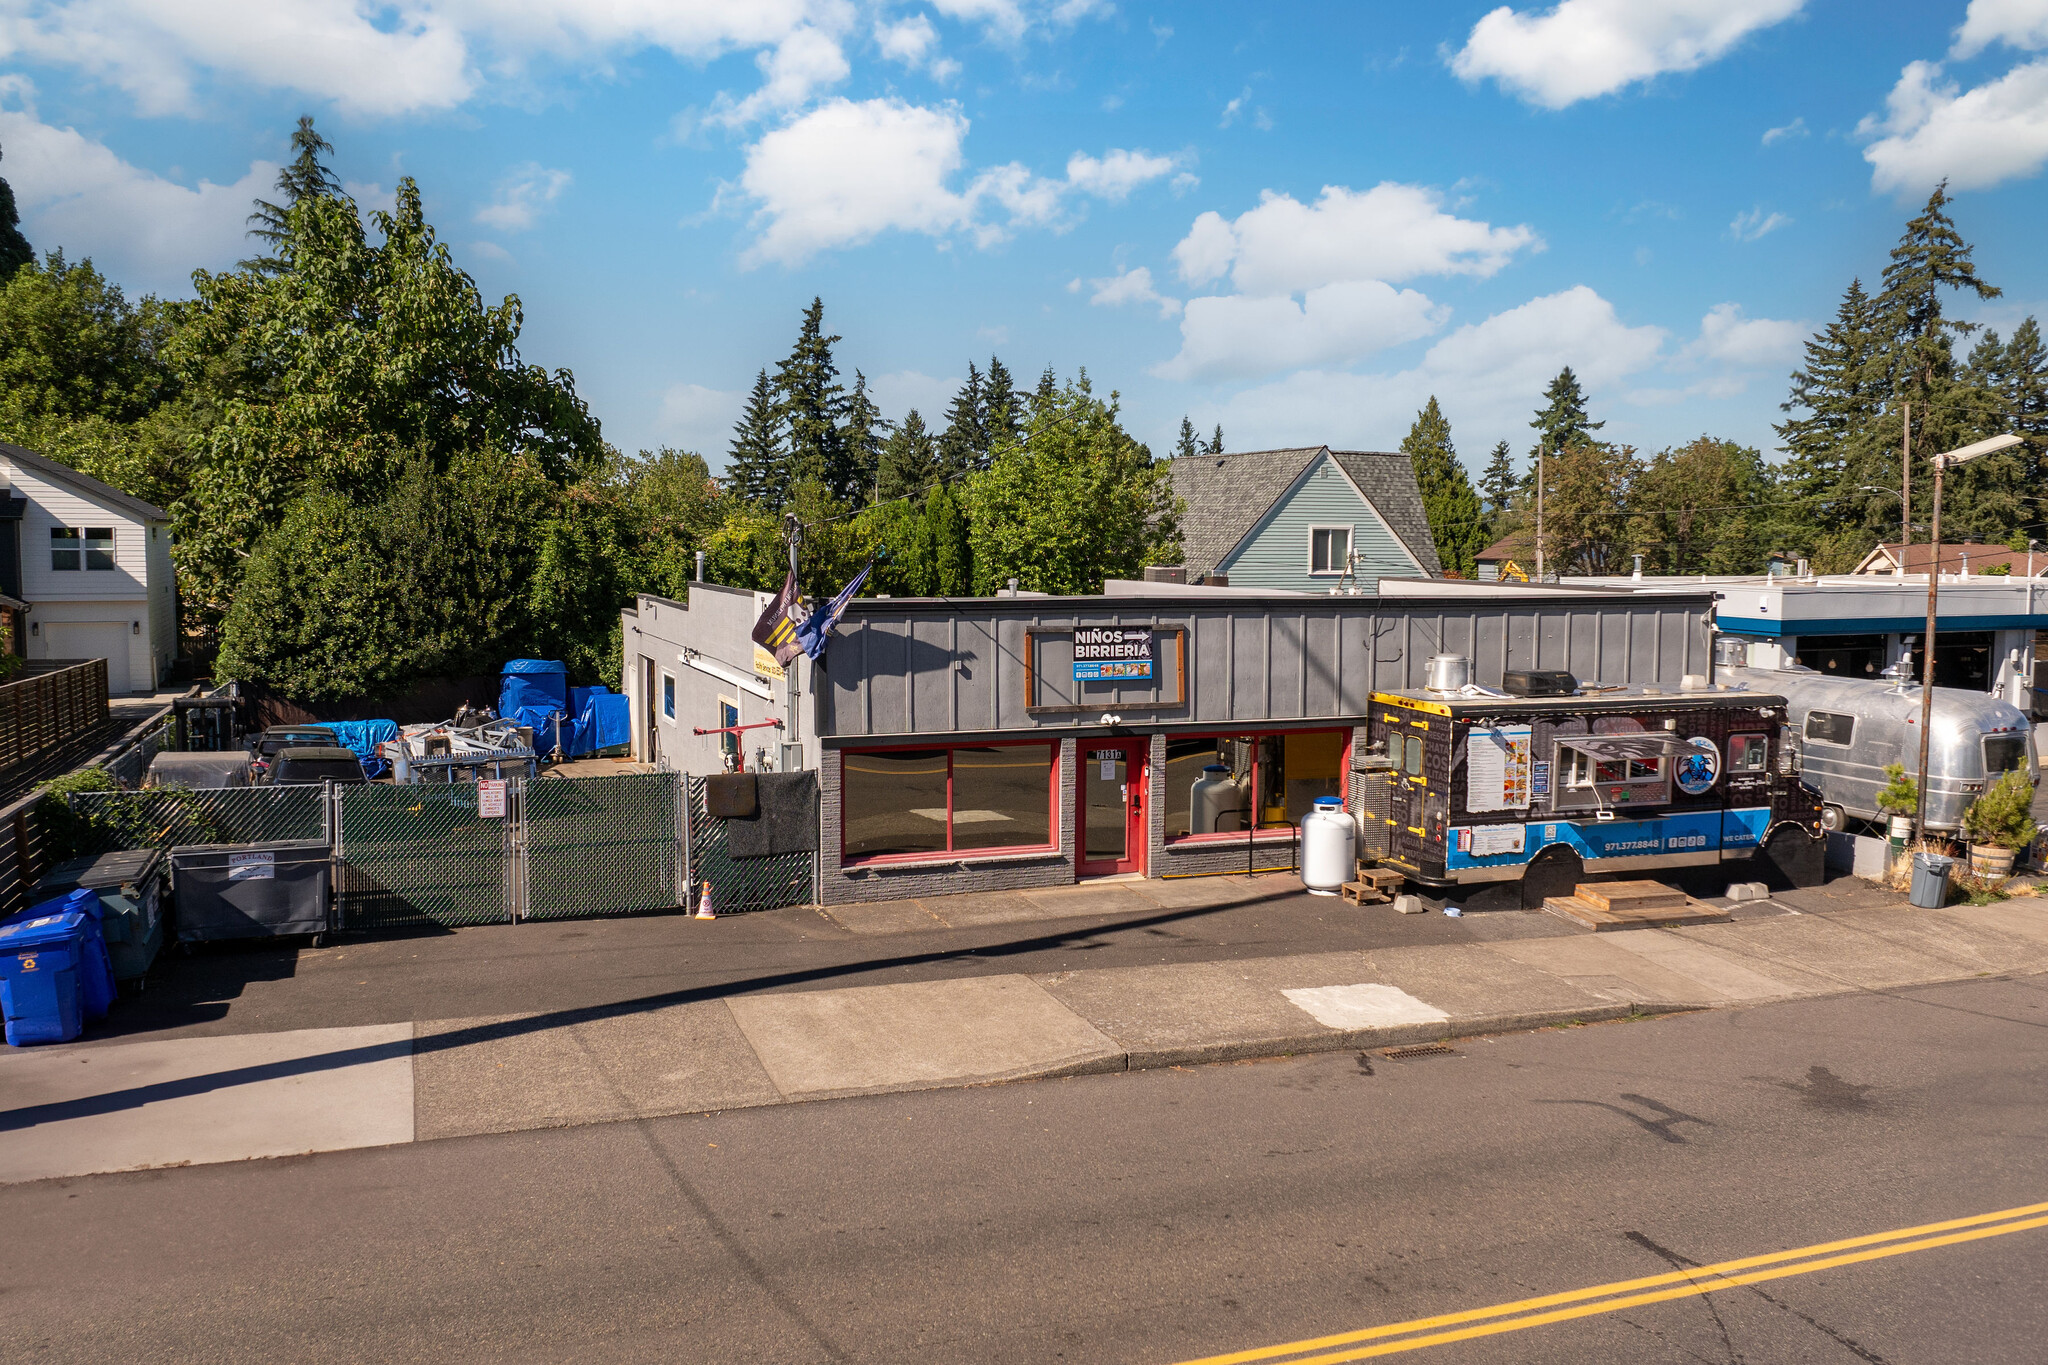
<point>1833,819</point>
<point>1556,871</point>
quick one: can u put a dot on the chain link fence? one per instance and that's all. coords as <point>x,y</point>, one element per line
<point>601,846</point>
<point>86,824</point>
<point>418,856</point>
<point>739,884</point>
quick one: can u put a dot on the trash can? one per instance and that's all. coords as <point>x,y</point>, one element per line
<point>41,965</point>
<point>267,890</point>
<point>95,970</point>
<point>130,886</point>
<point>1930,880</point>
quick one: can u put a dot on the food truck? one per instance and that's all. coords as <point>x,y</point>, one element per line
<point>1506,797</point>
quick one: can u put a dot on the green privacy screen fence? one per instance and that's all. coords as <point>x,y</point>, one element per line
<point>602,846</point>
<point>742,883</point>
<point>85,824</point>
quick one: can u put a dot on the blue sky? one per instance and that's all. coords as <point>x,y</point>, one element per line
<point>1296,220</point>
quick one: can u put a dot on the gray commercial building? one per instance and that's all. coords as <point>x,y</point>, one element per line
<point>1027,741</point>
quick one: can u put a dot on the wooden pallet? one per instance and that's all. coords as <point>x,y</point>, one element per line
<point>1373,884</point>
<point>1603,906</point>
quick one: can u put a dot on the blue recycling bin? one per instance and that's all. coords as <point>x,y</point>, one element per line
<point>42,970</point>
<point>94,963</point>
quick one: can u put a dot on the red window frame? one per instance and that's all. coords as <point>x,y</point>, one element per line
<point>949,853</point>
<point>1343,776</point>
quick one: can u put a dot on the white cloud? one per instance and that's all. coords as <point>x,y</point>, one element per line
<point>1796,128</point>
<point>802,64</point>
<point>1240,335</point>
<point>139,227</point>
<point>2016,23</point>
<point>1234,108</point>
<point>1002,18</point>
<point>1729,338</point>
<point>1132,286</point>
<point>1116,173</point>
<point>1489,376</point>
<point>908,41</point>
<point>1581,49</point>
<point>697,418</point>
<point>846,172</point>
<point>898,393</point>
<point>1389,232</point>
<point>521,197</point>
<point>1932,130</point>
<point>1747,227</point>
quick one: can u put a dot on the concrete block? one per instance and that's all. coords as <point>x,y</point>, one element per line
<point>1409,905</point>
<point>1748,891</point>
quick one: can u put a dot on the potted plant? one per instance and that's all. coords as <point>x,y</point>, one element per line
<point>1899,799</point>
<point>2000,823</point>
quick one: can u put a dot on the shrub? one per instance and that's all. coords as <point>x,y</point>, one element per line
<point>1901,794</point>
<point>2004,816</point>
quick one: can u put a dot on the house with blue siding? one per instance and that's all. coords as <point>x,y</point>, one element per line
<point>1299,519</point>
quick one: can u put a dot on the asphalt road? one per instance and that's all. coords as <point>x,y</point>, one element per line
<point>1145,1217</point>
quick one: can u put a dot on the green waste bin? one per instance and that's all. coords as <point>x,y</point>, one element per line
<point>132,902</point>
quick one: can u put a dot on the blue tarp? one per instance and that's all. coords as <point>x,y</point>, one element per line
<point>532,692</point>
<point>602,719</point>
<point>363,737</point>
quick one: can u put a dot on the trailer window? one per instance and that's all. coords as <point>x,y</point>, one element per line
<point>2004,754</point>
<point>1748,753</point>
<point>1829,727</point>
<point>1411,761</point>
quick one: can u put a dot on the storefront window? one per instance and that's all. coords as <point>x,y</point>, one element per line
<point>1217,784</point>
<point>902,802</point>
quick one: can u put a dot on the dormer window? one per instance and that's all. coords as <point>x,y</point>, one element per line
<point>90,547</point>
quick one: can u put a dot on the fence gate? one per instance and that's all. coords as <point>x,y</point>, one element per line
<point>604,846</point>
<point>418,855</point>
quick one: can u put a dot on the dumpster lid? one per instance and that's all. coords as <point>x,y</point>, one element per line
<point>44,931</point>
<point>131,866</point>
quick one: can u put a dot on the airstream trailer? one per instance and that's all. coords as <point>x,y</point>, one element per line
<point>1505,799</point>
<point>1848,729</point>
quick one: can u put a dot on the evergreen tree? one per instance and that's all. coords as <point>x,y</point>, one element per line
<point>1186,446</point>
<point>1931,256</point>
<point>1498,482</point>
<point>1001,416</point>
<point>963,446</point>
<point>2026,414</point>
<point>1216,441</point>
<point>1048,391</point>
<point>1448,501</point>
<point>1842,390</point>
<point>306,177</point>
<point>909,461</point>
<point>15,252</point>
<point>1562,420</point>
<point>754,468</point>
<point>812,404</point>
<point>860,444</point>
<point>946,532</point>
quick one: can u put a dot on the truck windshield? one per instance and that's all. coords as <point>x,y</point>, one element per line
<point>313,770</point>
<point>2004,753</point>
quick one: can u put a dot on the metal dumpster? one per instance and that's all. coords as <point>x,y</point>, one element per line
<point>266,890</point>
<point>131,891</point>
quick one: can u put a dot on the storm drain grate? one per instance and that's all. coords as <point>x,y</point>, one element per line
<point>1401,1054</point>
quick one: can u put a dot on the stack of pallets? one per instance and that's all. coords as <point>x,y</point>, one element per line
<point>1631,905</point>
<point>1373,884</point>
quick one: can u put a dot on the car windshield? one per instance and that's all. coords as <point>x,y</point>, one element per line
<point>314,770</point>
<point>2004,753</point>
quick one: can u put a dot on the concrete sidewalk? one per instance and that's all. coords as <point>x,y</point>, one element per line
<point>81,1109</point>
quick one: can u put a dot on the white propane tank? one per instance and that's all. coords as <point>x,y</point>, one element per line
<point>1212,796</point>
<point>1329,847</point>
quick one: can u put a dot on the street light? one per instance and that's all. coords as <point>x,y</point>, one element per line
<point>1941,463</point>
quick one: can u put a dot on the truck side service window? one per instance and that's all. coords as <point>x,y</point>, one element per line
<point>1748,753</point>
<point>1412,760</point>
<point>1828,727</point>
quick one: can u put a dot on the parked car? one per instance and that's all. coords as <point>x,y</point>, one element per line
<point>265,746</point>
<point>294,767</point>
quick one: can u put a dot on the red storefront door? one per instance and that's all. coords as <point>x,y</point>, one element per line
<point>1112,833</point>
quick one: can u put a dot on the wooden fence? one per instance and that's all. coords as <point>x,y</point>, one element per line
<point>22,859</point>
<point>40,712</point>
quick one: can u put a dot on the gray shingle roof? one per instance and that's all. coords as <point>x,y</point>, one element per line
<point>1227,494</point>
<point>84,484</point>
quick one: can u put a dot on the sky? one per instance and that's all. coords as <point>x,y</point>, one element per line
<point>1298,221</point>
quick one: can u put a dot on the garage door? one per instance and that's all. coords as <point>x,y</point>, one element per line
<point>92,640</point>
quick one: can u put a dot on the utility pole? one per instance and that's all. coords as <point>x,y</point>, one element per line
<point>1905,486</point>
<point>1539,511</point>
<point>1941,464</point>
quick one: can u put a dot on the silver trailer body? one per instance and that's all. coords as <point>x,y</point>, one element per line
<point>1848,729</point>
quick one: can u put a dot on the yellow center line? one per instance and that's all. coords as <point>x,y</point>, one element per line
<point>1701,1280</point>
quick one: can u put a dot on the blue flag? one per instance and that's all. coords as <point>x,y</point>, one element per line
<point>817,627</point>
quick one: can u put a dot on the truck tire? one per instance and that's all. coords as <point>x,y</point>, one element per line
<point>1556,871</point>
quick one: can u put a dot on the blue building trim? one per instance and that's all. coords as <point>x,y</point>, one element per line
<point>1874,625</point>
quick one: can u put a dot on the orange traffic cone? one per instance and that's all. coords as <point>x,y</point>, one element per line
<point>704,910</point>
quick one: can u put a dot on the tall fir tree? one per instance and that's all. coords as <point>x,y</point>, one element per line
<point>306,176</point>
<point>1002,418</point>
<point>910,460</point>
<point>1455,523</point>
<point>755,471</point>
<point>2026,415</point>
<point>15,252</point>
<point>1215,441</point>
<point>963,446</point>
<point>1047,392</point>
<point>946,531</point>
<point>1562,420</point>
<point>860,444</point>
<point>1840,390</point>
<point>813,404</point>
<point>1186,447</point>
<point>1498,482</point>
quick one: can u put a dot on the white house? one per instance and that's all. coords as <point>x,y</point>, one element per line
<point>94,566</point>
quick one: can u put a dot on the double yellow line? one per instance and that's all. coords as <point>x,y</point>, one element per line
<point>1522,1314</point>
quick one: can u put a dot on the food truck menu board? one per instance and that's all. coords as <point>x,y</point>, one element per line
<point>1497,768</point>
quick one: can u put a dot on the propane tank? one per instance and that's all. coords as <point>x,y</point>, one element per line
<point>1329,847</point>
<point>1212,797</point>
